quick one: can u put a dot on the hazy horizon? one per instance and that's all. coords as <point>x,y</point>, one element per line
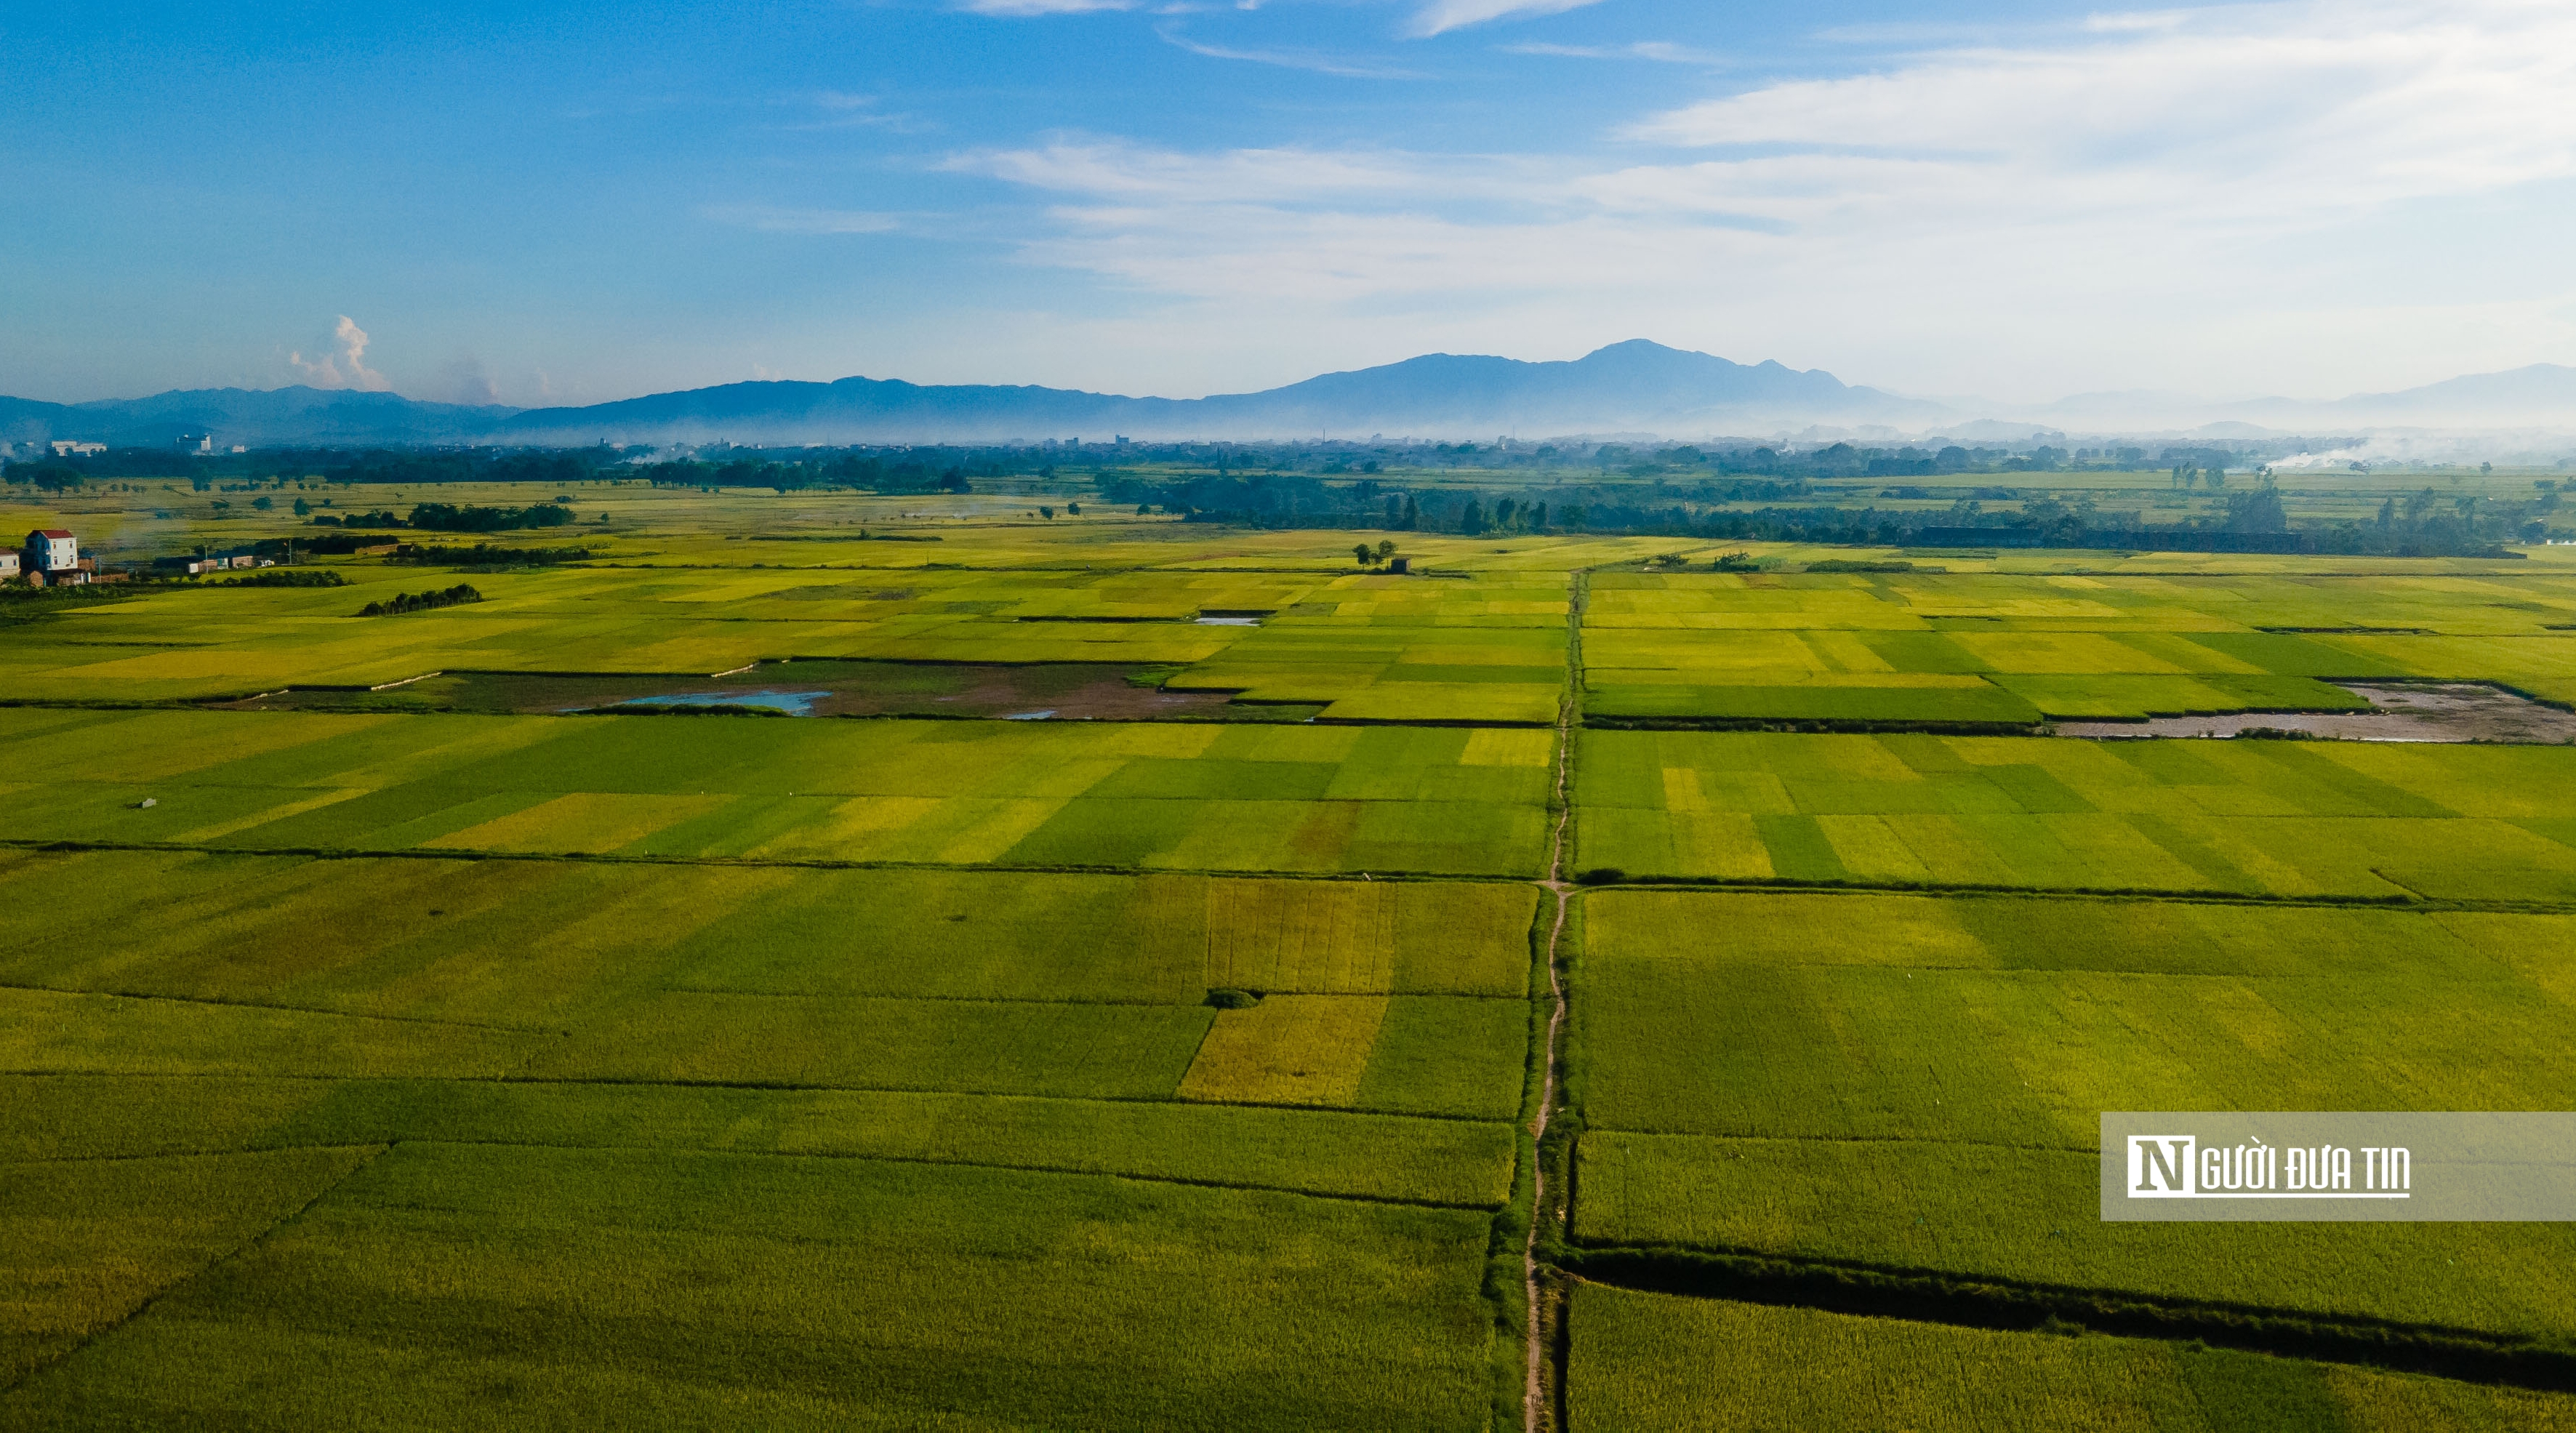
<point>2020,200</point>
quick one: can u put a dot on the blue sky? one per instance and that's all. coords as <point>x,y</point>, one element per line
<point>542,203</point>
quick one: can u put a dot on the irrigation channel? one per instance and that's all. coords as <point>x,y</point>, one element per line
<point>1535,1336</point>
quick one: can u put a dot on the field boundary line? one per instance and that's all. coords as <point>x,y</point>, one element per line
<point>1072,1000</point>
<point>288,1009</point>
<point>13,1162</point>
<point>1615,1254</point>
<point>1965,1301</point>
<point>146,1305</point>
<point>642,1082</point>
<point>225,702</point>
<point>2106,894</point>
<point>1853,1138</point>
<point>449,853</point>
<point>764,1086</point>
<point>1061,1170</point>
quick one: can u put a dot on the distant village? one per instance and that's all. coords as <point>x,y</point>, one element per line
<point>51,557</point>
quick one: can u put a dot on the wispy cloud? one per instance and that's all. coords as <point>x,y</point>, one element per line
<point>1117,171</point>
<point>1658,50</point>
<point>2258,110</point>
<point>1042,7</point>
<point>1442,16</point>
<point>341,360</point>
<point>1290,59</point>
<point>772,219</point>
<point>841,110</point>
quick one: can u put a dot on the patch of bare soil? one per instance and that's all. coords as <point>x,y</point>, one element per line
<point>2401,711</point>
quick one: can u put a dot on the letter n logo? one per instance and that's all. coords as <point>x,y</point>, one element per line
<point>2160,1166</point>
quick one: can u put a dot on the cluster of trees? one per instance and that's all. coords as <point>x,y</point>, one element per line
<point>449,517</point>
<point>378,518</point>
<point>2418,527</point>
<point>1275,501</point>
<point>288,577</point>
<point>483,554</point>
<point>400,603</point>
<point>242,472</point>
<point>445,517</point>
<point>406,466</point>
<point>926,471</point>
<point>956,468</point>
<point>51,476</point>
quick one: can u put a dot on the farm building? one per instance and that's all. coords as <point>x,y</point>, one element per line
<point>52,549</point>
<point>8,565</point>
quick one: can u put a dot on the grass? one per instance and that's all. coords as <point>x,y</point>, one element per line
<point>1643,1360</point>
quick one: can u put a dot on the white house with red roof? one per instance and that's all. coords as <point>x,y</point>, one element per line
<point>51,550</point>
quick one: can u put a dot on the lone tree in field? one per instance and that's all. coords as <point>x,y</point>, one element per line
<point>1365,553</point>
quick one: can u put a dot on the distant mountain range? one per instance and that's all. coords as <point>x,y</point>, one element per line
<point>2542,395</point>
<point>249,416</point>
<point>1632,387</point>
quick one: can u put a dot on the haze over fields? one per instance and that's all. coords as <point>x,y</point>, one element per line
<point>1635,386</point>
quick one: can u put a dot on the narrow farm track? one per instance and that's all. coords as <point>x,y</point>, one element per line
<point>1534,1336</point>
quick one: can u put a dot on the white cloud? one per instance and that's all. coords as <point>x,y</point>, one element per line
<point>341,362</point>
<point>771,219</point>
<point>2208,199</point>
<point>2335,104</point>
<point>1444,15</point>
<point>1289,59</point>
<point>1662,51</point>
<point>1126,172</point>
<point>853,111</point>
<point>1022,8</point>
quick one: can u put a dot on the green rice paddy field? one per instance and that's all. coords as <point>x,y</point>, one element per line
<point>1990,649</point>
<point>410,1060</point>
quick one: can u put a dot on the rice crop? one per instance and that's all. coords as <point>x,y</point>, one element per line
<point>1641,1360</point>
<point>48,1121</point>
<point>488,1286</point>
<point>1086,794</point>
<point>1855,649</point>
<point>84,1245</point>
<point>1915,1083</point>
<point>1287,1050</point>
<point>2250,818</point>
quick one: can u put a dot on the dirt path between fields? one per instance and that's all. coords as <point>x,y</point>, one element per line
<point>1535,1337</point>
